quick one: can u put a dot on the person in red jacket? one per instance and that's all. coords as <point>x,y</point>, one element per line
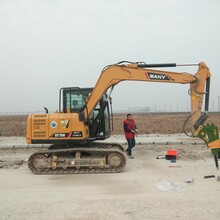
<point>130,129</point>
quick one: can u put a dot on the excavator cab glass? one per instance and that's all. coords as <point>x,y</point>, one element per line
<point>73,99</point>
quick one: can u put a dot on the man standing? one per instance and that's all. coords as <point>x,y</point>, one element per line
<point>130,129</point>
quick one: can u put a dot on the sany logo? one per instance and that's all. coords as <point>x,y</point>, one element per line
<point>156,76</point>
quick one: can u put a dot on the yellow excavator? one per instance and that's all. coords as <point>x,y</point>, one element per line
<point>85,116</point>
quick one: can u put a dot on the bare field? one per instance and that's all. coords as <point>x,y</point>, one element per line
<point>13,125</point>
<point>148,123</point>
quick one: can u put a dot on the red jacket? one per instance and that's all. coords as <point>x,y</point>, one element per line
<point>128,126</point>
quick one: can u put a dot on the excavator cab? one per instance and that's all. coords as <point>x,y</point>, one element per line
<point>73,100</point>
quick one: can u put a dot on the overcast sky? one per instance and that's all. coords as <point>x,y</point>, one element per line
<point>49,44</point>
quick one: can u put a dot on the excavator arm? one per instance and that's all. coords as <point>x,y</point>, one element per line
<point>113,74</point>
<point>199,87</point>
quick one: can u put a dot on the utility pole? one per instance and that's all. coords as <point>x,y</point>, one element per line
<point>177,107</point>
<point>218,103</point>
<point>213,105</point>
<point>164,108</point>
<point>155,108</point>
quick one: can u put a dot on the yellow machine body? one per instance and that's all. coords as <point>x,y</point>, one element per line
<point>48,128</point>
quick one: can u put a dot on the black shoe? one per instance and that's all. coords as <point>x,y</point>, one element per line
<point>126,151</point>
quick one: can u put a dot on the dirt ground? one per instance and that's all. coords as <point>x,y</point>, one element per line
<point>148,123</point>
<point>148,188</point>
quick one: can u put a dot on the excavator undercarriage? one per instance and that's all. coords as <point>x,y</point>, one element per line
<point>94,158</point>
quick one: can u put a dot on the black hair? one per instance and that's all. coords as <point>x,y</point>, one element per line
<point>129,115</point>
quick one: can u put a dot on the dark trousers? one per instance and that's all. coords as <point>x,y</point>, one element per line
<point>131,144</point>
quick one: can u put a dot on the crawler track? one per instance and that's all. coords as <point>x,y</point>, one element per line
<point>96,158</point>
